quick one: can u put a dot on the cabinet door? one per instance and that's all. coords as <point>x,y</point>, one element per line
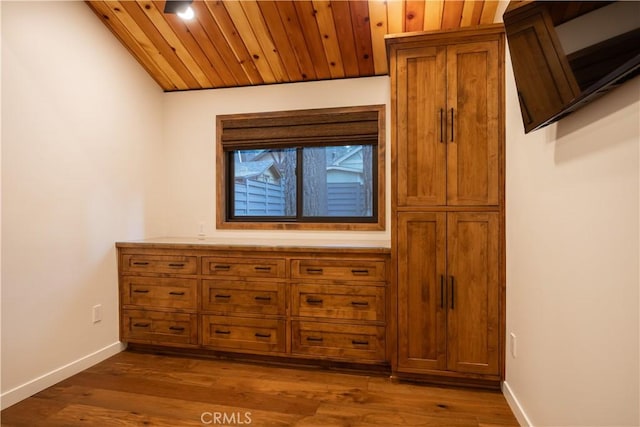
<point>473,109</point>
<point>421,291</point>
<point>473,286</point>
<point>420,126</point>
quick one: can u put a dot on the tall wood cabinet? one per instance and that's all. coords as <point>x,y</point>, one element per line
<point>448,203</point>
<point>448,122</point>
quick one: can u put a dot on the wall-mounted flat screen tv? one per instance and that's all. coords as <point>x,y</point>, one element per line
<point>567,53</point>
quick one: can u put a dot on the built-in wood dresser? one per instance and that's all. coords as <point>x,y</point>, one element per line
<point>283,299</point>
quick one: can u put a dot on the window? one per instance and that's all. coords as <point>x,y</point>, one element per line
<point>309,169</point>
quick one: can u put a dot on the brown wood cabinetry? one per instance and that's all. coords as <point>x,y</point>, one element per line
<point>448,292</point>
<point>447,102</point>
<point>448,205</point>
<point>306,303</point>
<point>240,334</point>
<point>338,308</point>
<point>159,328</point>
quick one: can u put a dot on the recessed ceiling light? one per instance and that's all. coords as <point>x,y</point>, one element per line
<point>181,8</point>
<point>187,14</point>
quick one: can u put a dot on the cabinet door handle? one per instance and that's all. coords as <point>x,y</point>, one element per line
<point>221,267</point>
<point>261,335</point>
<point>453,293</point>
<point>176,264</point>
<point>261,298</point>
<point>452,125</point>
<point>141,325</point>
<point>360,303</point>
<point>176,293</point>
<point>220,332</point>
<point>441,291</point>
<point>441,125</point>
<point>360,272</point>
<point>314,339</point>
<point>314,300</point>
<point>314,270</point>
<point>141,291</point>
<point>260,268</point>
<point>221,296</point>
<point>359,342</point>
<point>177,328</point>
<point>140,263</point>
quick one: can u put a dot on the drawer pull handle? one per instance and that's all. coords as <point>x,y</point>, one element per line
<point>223,296</point>
<point>314,270</point>
<point>360,303</point>
<point>261,298</point>
<point>260,268</point>
<point>176,328</point>
<point>359,342</point>
<point>219,332</point>
<point>141,325</point>
<point>315,339</point>
<point>360,272</point>
<point>259,335</point>
<point>176,293</point>
<point>314,300</point>
<point>141,291</point>
<point>140,263</point>
<point>177,264</point>
<point>222,267</point>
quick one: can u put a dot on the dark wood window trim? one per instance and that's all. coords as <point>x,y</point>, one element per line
<point>279,129</point>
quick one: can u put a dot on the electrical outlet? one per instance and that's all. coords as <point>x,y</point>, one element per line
<point>97,313</point>
<point>512,345</point>
<point>201,234</point>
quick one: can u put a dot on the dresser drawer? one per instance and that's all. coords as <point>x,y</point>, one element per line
<point>347,342</point>
<point>154,327</point>
<point>160,292</point>
<point>338,269</point>
<point>237,333</point>
<point>172,264</point>
<point>338,301</point>
<point>238,297</point>
<point>243,267</point>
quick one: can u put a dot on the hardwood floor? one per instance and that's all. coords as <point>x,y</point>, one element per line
<point>134,388</point>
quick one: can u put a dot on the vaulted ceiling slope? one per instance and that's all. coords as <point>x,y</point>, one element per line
<point>249,42</point>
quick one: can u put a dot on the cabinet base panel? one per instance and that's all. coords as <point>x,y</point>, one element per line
<point>382,370</point>
<point>455,381</point>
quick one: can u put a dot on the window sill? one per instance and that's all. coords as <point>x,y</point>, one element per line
<point>317,226</point>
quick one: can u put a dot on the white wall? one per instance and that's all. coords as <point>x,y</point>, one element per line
<point>190,136</point>
<point>83,165</point>
<point>81,168</point>
<point>573,263</point>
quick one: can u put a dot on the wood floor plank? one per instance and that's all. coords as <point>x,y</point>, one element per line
<point>179,411</point>
<point>134,388</point>
<point>24,413</point>
<point>221,395</point>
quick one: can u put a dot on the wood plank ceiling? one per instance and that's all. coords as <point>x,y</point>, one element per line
<point>254,42</point>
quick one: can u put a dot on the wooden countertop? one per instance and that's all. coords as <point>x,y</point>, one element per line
<point>271,245</point>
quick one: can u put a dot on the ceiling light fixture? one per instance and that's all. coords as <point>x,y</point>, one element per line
<point>181,8</point>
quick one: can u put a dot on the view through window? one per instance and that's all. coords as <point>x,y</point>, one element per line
<point>335,182</point>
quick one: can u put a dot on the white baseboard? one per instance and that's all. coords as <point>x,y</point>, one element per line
<point>515,406</point>
<point>36,385</point>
